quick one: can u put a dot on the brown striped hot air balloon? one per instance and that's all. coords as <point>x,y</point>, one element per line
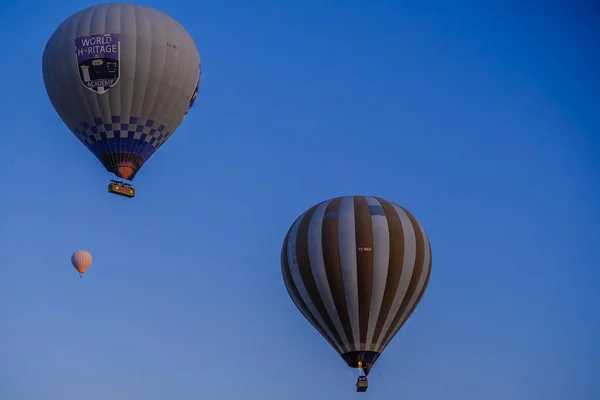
<point>356,267</point>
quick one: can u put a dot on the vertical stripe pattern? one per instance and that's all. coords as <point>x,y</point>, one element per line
<point>356,267</point>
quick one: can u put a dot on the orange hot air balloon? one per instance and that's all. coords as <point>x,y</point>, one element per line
<point>81,260</point>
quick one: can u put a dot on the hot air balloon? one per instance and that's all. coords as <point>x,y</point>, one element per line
<point>122,77</point>
<point>81,260</point>
<point>356,267</point>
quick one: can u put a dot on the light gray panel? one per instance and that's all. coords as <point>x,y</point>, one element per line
<point>158,68</point>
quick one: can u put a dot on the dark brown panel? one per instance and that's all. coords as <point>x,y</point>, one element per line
<point>414,281</point>
<point>307,276</point>
<point>295,294</point>
<point>395,266</point>
<point>427,248</point>
<point>333,266</point>
<point>363,226</point>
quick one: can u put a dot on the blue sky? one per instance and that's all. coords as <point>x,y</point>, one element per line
<point>482,120</point>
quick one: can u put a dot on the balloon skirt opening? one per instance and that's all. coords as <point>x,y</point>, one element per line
<point>368,359</point>
<point>123,165</point>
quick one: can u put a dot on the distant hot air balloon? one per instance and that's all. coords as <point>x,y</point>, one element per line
<point>122,77</point>
<point>356,267</point>
<point>81,260</point>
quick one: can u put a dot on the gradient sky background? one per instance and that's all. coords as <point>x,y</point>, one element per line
<point>481,120</point>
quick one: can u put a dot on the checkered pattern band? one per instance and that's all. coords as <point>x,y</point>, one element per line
<point>118,143</point>
<point>132,137</point>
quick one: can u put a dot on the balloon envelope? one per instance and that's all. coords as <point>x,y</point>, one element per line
<point>81,260</point>
<point>122,77</point>
<point>356,267</point>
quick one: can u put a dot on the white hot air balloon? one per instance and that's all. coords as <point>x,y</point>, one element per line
<point>81,260</point>
<point>122,77</point>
